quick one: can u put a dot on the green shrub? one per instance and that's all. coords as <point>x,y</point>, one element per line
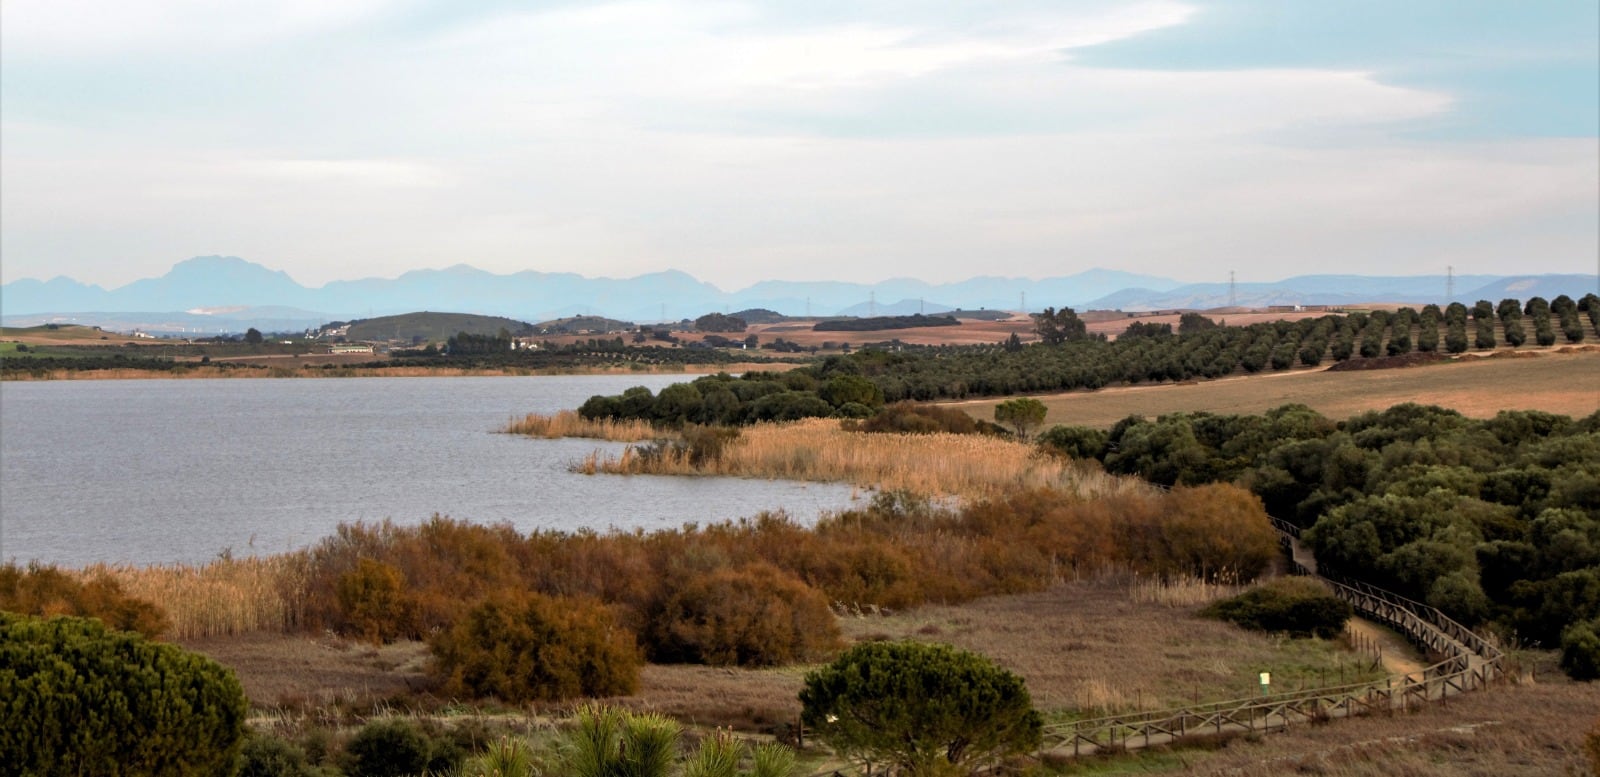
<point>755,615</point>
<point>1075,442</point>
<point>269,756</point>
<point>912,418</point>
<point>77,698</point>
<point>923,708</point>
<point>390,747</point>
<point>608,742</point>
<point>1299,606</point>
<point>507,758</point>
<point>1580,650</point>
<point>536,647</point>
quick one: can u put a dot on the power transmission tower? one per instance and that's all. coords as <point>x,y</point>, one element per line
<point>872,303</point>
<point>1449,284</point>
<point>1022,301</point>
<point>1233,293</point>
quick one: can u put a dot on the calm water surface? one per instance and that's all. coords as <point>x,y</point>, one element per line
<point>154,471</point>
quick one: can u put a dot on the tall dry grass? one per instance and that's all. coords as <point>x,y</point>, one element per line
<point>568,423</point>
<point>225,597</point>
<point>934,464</point>
<point>1181,592</point>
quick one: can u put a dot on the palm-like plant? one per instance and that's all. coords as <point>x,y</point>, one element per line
<point>609,742</point>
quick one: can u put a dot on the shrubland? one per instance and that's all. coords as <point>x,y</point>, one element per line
<point>1494,521</point>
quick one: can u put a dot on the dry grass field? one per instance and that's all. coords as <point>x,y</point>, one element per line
<point>1555,380</point>
<point>1100,643</point>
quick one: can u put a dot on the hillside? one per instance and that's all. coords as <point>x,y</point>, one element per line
<point>218,293</point>
<point>432,326</point>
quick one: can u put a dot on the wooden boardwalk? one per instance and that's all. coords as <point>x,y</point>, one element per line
<point>1469,663</point>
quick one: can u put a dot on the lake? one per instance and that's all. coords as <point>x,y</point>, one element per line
<point>157,471</point>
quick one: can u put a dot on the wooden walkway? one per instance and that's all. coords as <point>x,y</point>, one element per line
<point>1469,663</point>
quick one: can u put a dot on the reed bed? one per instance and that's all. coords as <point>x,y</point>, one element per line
<point>1182,592</point>
<point>568,423</point>
<point>225,597</point>
<point>933,464</point>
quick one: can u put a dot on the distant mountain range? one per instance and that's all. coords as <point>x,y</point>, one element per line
<point>224,293</point>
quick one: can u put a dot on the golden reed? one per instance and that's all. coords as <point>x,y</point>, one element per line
<point>932,464</point>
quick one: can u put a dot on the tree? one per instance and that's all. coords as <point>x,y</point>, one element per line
<point>77,698</point>
<point>1055,328</point>
<point>717,322</point>
<point>1189,323</point>
<point>924,708</point>
<point>253,336</point>
<point>1022,414</point>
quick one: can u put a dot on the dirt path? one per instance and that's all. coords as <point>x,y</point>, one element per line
<point>1399,657</point>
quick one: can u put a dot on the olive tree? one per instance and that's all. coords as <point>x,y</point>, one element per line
<point>925,709</point>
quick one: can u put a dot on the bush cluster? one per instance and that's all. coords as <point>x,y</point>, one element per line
<point>1297,606</point>
<point>46,590</point>
<point>78,698</point>
<point>531,647</point>
<point>755,592</point>
<point>1493,520</point>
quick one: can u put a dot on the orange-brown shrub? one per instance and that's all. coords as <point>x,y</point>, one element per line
<point>752,615</point>
<point>375,603</point>
<point>47,591</point>
<point>733,592</point>
<point>530,647</point>
<point>1211,531</point>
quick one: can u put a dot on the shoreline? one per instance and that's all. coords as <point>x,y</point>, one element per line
<point>199,372</point>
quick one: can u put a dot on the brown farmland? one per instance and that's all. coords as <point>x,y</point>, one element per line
<point>1560,381</point>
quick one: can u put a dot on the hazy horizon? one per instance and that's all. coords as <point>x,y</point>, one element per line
<point>748,141</point>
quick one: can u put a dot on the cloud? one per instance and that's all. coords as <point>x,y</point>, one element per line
<point>86,29</point>
<point>739,141</point>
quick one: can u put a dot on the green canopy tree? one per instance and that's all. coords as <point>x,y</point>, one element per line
<point>1057,327</point>
<point>77,698</point>
<point>1022,414</point>
<point>925,709</point>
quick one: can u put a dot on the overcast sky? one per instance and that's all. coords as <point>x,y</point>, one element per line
<point>814,139</point>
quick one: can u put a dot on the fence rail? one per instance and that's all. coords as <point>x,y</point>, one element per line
<point>1469,662</point>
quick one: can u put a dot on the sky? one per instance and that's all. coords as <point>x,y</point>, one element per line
<point>807,140</point>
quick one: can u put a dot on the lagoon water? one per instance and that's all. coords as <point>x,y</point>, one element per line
<point>158,471</point>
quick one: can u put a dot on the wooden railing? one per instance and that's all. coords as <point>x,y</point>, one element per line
<point>1468,663</point>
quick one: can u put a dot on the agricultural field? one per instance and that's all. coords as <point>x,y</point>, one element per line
<point>1559,381</point>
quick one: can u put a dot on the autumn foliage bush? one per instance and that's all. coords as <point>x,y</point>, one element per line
<point>758,591</point>
<point>752,615</point>
<point>532,647</point>
<point>46,590</point>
